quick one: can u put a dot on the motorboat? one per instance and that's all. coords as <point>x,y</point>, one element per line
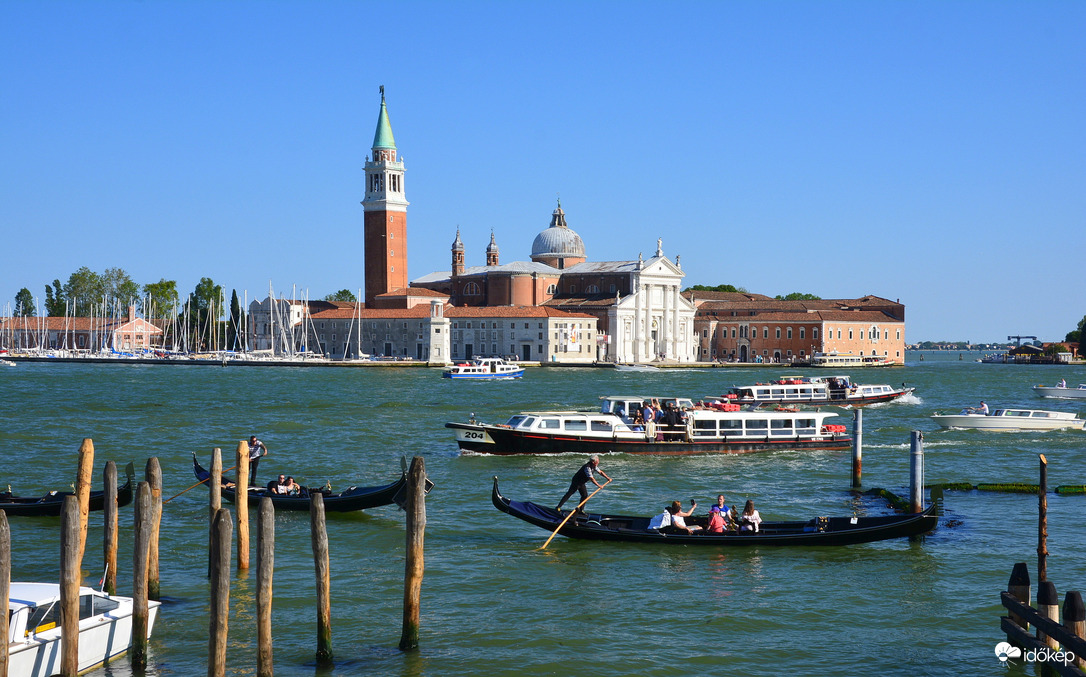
<point>848,360</point>
<point>485,368</point>
<point>815,390</point>
<point>1061,392</point>
<point>700,430</point>
<point>1011,420</point>
<point>846,530</point>
<point>34,628</point>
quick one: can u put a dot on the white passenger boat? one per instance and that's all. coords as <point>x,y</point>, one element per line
<point>848,360</point>
<point>34,640</point>
<point>815,391</point>
<point>1061,392</point>
<point>1011,420</point>
<point>485,368</point>
<point>611,430</point>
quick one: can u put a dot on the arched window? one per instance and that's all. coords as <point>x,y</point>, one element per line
<point>592,289</point>
<point>552,289</point>
<point>471,289</point>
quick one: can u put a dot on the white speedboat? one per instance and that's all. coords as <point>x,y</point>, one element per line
<point>1061,392</point>
<point>485,368</point>
<point>105,628</point>
<point>1011,420</point>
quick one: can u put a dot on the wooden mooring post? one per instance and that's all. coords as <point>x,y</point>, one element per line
<point>109,533</point>
<point>83,488</point>
<point>413,569</point>
<point>319,537</point>
<point>1042,522</point>
<point>857,446</point>
<point>214,503</point>
<point>140,567</point>
<point>916,472</point>
<point>220,593</point>
<point>241,504</point>
<point>265,567</point>
<point>154,481</point>
<point>5,588</point>
<point>69,587</point>
<point>1055,647</point>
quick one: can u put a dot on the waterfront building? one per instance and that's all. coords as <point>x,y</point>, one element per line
<point>85,334</point>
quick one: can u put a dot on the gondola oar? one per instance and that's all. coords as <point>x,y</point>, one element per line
<point>571,514</point>
<point>196,485</point>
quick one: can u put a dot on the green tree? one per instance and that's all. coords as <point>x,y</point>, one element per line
<point>234,325</point>
<point>118,285</point>
<point>719,287</point>
<point>1076,335</point>
<point>204,309</point>
<point>54,300</point>
<point>345,295</point>
<point>83,290</point>
<point>1056,348</point>
<point>24,303</point>
<point>798,296</point>
<point>159,298</point>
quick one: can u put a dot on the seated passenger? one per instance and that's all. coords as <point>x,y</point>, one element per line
<point>280,486</point>
<point>292,488</point>
<point>662,520</point>
<point>721,517</point>
<point>678,523</point>
<point>750,520</point>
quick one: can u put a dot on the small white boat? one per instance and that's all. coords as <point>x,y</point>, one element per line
<point>6,363</point>
<point>34,640</point>
<point>1011,420</point>
<point>485,368</point>
<point>1061,392</point>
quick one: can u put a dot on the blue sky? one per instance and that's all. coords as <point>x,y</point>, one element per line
<point>932,152</point>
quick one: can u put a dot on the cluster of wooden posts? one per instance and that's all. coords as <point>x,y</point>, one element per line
<point>145,569</point>
<point>1059,648</point>
<point>221,539</point>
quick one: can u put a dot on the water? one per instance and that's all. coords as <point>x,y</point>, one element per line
<point>491,602</point>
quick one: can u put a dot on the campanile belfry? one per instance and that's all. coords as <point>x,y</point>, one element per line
<point>385,207</point>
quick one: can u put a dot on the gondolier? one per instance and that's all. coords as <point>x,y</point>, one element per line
<point>584,475</point>
<point>257,450</point>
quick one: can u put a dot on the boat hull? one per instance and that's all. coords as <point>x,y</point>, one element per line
<point>828,402</point>
<point>498,440</point>
<point>1006,424</point>
<point>51,504</point>
<point>823,531</point>
<point>1060,393</point>
<point>485,377</point>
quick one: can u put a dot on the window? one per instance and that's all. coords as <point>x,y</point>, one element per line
<point>814,333</point>
<point>778,332</point>
<point>849,334</point>
<point>733,332</point>
<point>576,425</point>
<point>471,289</point>
<point>612,289</point>
<point>765,332</point>
<point>592,289</point>
<point>789,332</point>
<point>802,332</point>
<point>552,289</point>
<point>572,289</point>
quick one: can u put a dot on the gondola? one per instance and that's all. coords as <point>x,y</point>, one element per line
<point>51,504</point>
<point>350,499</point>
<point>817,531</point>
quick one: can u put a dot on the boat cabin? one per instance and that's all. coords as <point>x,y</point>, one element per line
<point>621,406</point>
<point>34,608</point>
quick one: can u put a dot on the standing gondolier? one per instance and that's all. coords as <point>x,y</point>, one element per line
<point>584,475</point>
<point>257,450</point>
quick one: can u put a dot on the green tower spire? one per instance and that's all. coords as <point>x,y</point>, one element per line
<point>382,139</point>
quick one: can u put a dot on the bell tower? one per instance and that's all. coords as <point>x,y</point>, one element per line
<point>385,214</point>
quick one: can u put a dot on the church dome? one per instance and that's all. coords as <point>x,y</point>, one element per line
<point>558,240</point>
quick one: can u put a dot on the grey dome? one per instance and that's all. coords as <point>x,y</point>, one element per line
<point>558,239</point>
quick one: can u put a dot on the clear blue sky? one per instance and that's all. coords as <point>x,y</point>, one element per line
<point>932,152</point>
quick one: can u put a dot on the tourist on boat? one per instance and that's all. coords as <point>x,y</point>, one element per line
<point>678,521</point>
<point>584,475</point>
<point>1062,383</point>
<point>662,520</point>
<point>279,486</point>
<point>257,450</point>
<point>292,487</point>
<point>727,513</point>
<point>750,520</point>
<point>638,422</point>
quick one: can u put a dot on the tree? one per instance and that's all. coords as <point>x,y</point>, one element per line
<point>159,298</point>
<point>24,303</point>
<point>83,289</point>
<point>54,300</point>
<point>719,287</point>
<point>798,296</point>
<point>1076,335</point>
<point>1056,348</point>
<point>235,321</point>
<point>345,295</point>
<point>118,285</point>
<point>204,309</point>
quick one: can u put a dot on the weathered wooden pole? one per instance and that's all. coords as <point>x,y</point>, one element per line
<point>69,587</point>
<point>109,534</point>
<point>1042,523</point>
<point>214,501</point>
<point>154,480</point>
<point>83,488</point>
<point>857,446</point>
<point>241,502</point>
<point>1019,587</point>
<point>5,589</point>
<point>1074,619</point>
<point>140,564</point>
<point>916,472</point>
<point>220,593</point>
<point>1048,606</point>
<point>413,569</point>
<point>265,567</point>
<point>319,536</point>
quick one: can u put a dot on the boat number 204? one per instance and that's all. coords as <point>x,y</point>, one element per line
<point>473,435</point>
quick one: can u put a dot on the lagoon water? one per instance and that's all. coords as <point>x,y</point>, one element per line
<point>492,603</point>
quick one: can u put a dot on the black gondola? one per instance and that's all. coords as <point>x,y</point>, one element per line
<point>51,504</point>
<point>350,499</point>
<point>818,531</point>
